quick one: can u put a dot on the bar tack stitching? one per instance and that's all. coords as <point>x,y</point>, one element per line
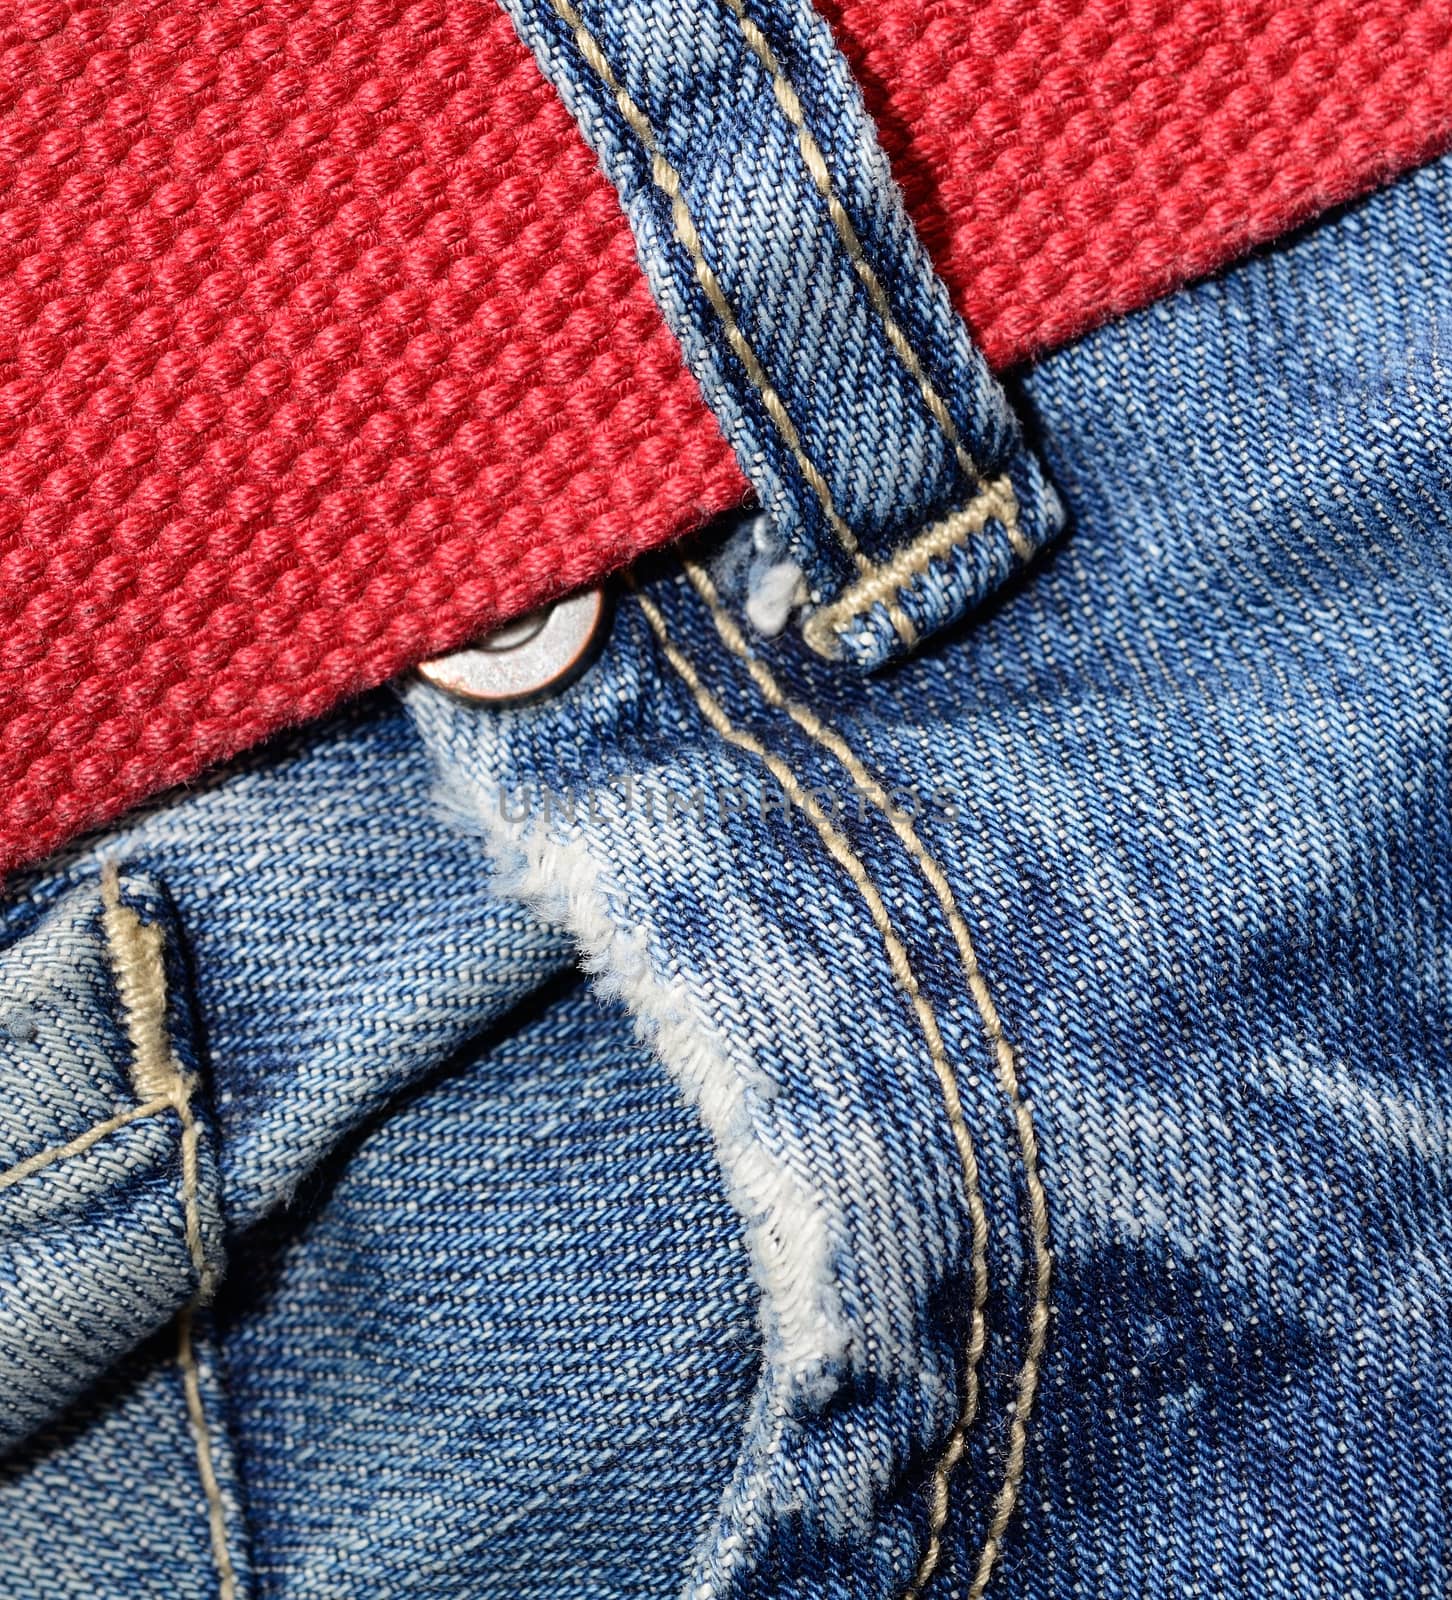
<point>887,582</point>
<point>842,852</point>
<point>816,163</point>
<point>668,181</point>
<point>135,951</point>
<point>1005,1070</point>
<point>135,948</point>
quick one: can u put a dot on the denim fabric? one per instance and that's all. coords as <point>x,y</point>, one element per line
<point>1187,782</point>
<point>324,973</point>
<point>93,1248</point>
<point>106,1499</point>
<point>332,961</point>
<point>524,1298</point>
<point>710,117</point>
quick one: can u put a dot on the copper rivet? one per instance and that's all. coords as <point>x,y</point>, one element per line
<point>526,659</point>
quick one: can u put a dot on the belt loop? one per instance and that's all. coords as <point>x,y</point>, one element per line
<point>778,247</point>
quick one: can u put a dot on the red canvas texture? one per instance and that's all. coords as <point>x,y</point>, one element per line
<point>323,345</point>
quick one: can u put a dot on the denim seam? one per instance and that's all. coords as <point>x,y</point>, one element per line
<point>135,948</point>
<point>83,1141</point>
<point>668,180</point>
<point>885,583</point>
<point>206,1466</point>
<point>847,858</point>
<point>1005,1071</point>
<point>816,164</point>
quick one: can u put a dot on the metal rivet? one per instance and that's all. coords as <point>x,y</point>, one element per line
<point>524,660</point>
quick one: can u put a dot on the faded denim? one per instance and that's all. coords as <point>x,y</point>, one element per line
<point>677,1284</point>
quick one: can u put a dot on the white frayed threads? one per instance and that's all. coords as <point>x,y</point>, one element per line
<point>803,1325</point>
<point>775,594</point>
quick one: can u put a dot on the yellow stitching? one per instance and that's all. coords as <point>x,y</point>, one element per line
<point>206,1469</point>
<point>668,181</point>
<point>816,164</point>
<point>191,1136</point>
<point>135,948</point>
<point>842,852</point>
<point>885,583</point>
<point>83,1141</point>
<point>1005,1070</point>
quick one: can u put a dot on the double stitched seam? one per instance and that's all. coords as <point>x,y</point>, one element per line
<point>899,962</point>
<point>135,949</point>
<point>885,584</point>
<point>816,164</point>
<point>668,180</point>
<point>1006,1073</point>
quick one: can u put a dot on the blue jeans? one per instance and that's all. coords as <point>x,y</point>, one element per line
<point>1000,1139</point>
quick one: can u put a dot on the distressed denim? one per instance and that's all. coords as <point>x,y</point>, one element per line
<point>925,1071</point>
<point>999,1143</point>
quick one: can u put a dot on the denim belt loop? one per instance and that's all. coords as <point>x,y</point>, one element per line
<point>890,465</point>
